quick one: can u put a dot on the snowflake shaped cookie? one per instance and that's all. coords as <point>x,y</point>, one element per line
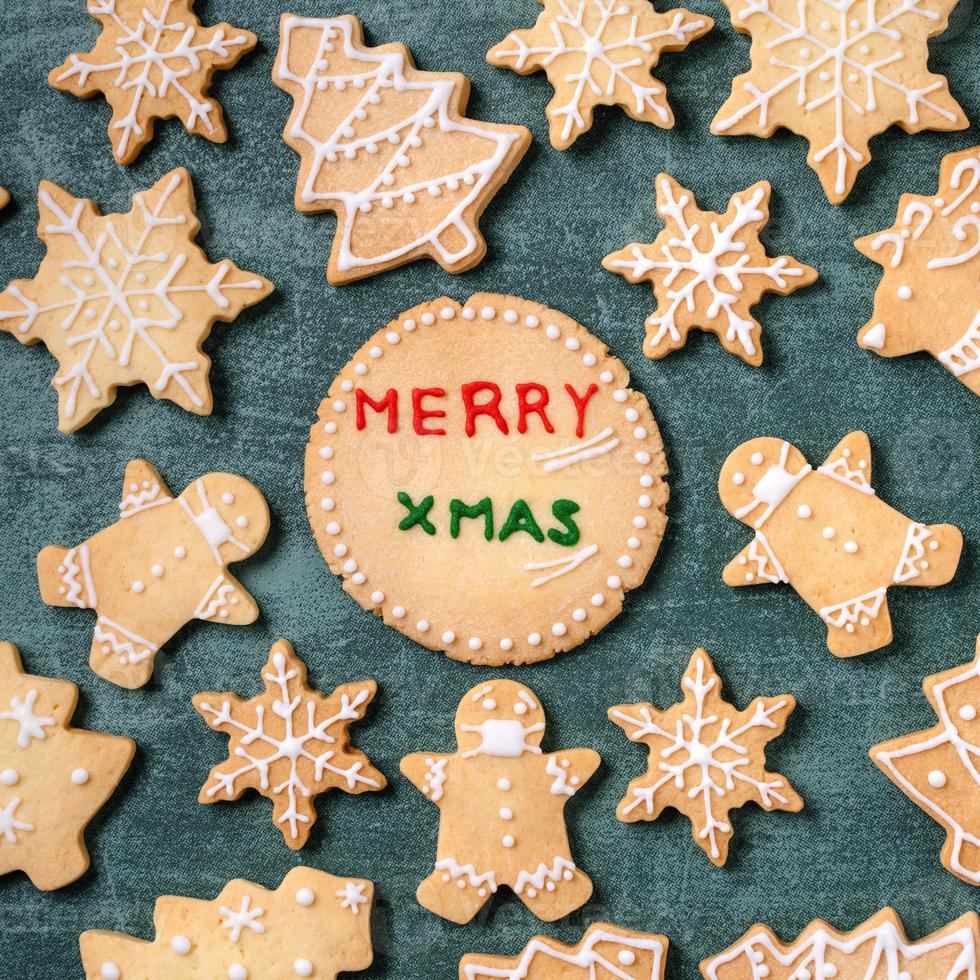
<point>939,768</point>
<point>931,252</point>
<point>124,299</point>
<point>706,758</point>
<point>825,532</point>
<point>877,948</point>
<point>303,928</point>
<point>708,270</point>
<point>604,950</point>
<point>290,744</point>
<point>389,149</point>
<point>153,60</point>
<point>838,72</point>
<point>600,52</point>
<point>53,778</point>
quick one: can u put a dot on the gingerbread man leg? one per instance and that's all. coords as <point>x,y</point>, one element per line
<point>441,893</point>
<point>867,626</point>
<point>557,899</point>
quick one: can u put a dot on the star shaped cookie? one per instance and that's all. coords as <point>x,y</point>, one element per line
<point>877,948</point>
<point>289,743</point>
<point>706,757</point>
<point>838,73</point>
<point>53,778</point>
<point>708,270</point>
<point>931,259</point>
<point>124,299</point>
<point>600,52</point>
<point>153,60</point>
<point>313,925</point>
<point>939,768</point>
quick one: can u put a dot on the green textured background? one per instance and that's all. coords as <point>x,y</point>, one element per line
<point>859,843</point>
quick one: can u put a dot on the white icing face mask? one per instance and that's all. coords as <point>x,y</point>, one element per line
<point>211,524</point>
<point>502,738</point>
<point>773,487</point>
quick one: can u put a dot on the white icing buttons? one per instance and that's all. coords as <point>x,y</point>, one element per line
<point>303,968</point>
<point>304,897</point>
<point>80,777</point>
<point>181,945</point>
<point>9,777</point>
<point>110,971</point>
<point>937,779</point>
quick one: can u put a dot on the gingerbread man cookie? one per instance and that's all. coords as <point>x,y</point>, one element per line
<point>939,768</point>
<point>826,533</point>
<point>121,299</point>
<point>482,476</point>
<point>162,564</point>
<point>313,925</point>
<point>604,950</point>
<point>600,52</point>
<point>502,805</point>
<point>53,778</point>
<point>706,758</point>
<point>931,262</point>
<point>153,60</point>
<point>4,197</point>
<point>878,948</point>
<point>708,270</point>
<point>389,149</point>
<point>838,74</point>
<point>289,743</point>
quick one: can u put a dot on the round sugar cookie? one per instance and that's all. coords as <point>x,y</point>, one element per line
<point>483,477</point>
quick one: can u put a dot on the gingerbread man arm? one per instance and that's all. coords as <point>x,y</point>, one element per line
<point>570,770</point>
<point>755,564</point>
<point>427,772</point>
<point>227,601</point>
<point>142,488</point>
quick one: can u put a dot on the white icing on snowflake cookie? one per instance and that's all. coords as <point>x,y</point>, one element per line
<point>604,950</point>
<point>502,804</point>
<point>838,72</point>
<point>152,61</point>
<point>939,768</point>
<point>932,250</point>
<point>313,925</point>
<point>826,533</point>
<point>877,948</point>
<point>53,778</point>
<point>389,149</point>
<point>482,477</point>
<point>124,299</point>
<point>706,758</point>
<point>600,52</point>
<point>289,743</point>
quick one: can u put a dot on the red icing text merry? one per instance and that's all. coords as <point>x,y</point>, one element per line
<point>481,402</point>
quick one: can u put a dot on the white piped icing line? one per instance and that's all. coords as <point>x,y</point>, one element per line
<point>76,576</point>
<point>435,779</point>
<point>840,469</point>
<point>846,614</point>
<point>561,869</point>
<point>116,641</point>
<point>954,733</point>
<point>890,956</point>
<point>912,563</point>
<point>467,873</point>
<point>604,442</point>
<point>383,76</point>
<point>590,955</point>
<point>352,896</point>
<point>964,356</point>
<point>29,724</point>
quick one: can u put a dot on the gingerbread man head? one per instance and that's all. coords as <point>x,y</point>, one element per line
<point>230,513</point>
<point>500,718</point>
<point>758,476</point>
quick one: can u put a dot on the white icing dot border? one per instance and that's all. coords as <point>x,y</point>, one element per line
<point>452,642</point>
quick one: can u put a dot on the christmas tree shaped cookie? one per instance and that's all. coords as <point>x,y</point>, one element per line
<point>600,52</point>
<point>289,743</point>
<point>939,768</point>
<point>502,805</point>
<point>124,299</point>
<point>53,778</point>
<point>604,951</point>
<point>153,60</point>
<point>389,149</point>
<point>161,565</point>
<point>838,74</point>
<point>878,949</point>
<point>929,295</point>
<point>706,758</point>
<point>826,533</point>
<point>313,925</point>
<point>708,270</point>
